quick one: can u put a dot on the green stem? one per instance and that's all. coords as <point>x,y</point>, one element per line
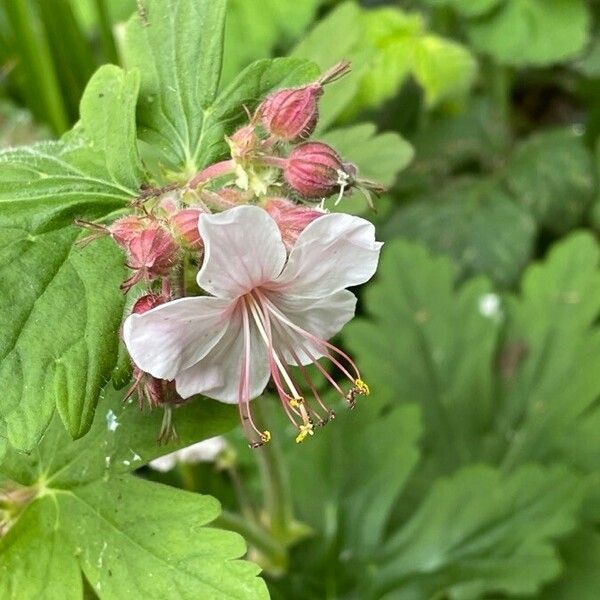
<point>277,492</point>
<point>256,536</point>
<point>106,34</point>
<point>500,89</point>
<point>36,66</point>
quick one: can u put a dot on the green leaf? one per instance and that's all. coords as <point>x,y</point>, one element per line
<point>124,533</point>
<point>474,222</point>
<point>60,304</point>
<point>555,381</point>
<point>532,32</point>
<point>251,35</point>
<point>551,174</point>
<point>431,363</point>
<point>385,46</point>
<point>481,532</point>
<point>581,577</point>
<point>379,157</point>
<point>177,46</point>
<point>442,67</point>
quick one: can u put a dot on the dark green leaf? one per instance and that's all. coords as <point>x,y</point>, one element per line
<point>551,174</point>
<point>473,221</point>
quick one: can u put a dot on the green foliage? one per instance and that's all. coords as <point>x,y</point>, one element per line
<point>88,513</point>
<point>532,32</point>
<point>61,306</point>
<point>386,46</point>
<point>551,175</point>
<point>475,222</point>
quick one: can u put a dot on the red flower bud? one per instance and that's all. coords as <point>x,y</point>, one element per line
<point>147,302</point>
<point>185,226</point>
<point>124,230</point>
<point>316,170</point>
<point>292,114</point>
<point>151,254</point>
<point>291,218</point>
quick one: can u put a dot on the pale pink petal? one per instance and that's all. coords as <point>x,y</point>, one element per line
<point>218,374</point>
<point>322,318</point>
<point>334,252</point>
<point>204,451</point>
<point>175,335</point>
<point>243,249</point>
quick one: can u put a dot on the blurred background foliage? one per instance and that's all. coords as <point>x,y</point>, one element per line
<point>472,471</point>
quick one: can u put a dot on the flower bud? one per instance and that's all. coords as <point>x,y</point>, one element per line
<point>151,254</point>
<point>316,170</point>
<point>185,226</point>
<point>124,230</point>
<point>244,144</point>
<point>147,302</point>
<point>291,218</point>
<point>292,114</point>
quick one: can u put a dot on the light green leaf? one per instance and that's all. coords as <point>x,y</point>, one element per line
<point>551,174</point>
<point>124,533</point>
<point>473,221</point>
<point>379,156</point>
<point>251,34</point>
<point>431,362</point>
<point>532,32</point>
<point>481,532</point>
<point>60,305</point>
<point>36,560</point>
<point>325,46</point>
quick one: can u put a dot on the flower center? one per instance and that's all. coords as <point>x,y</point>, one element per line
<point>286,342</point>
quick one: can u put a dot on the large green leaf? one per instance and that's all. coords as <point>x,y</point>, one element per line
<point>551,174</point>
<point>555,382</point>
<point>473,221</point>
<point>532,32</point>
<point>60,305</point>
<point>125,534</point>
<point>526,399</point>
<point>177,45</point>
<point>430,362</point>
<point>481,532</point>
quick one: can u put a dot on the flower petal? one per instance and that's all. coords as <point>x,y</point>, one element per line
<point>322,318</point>
<point>176,335</point>
<point>334,252</point>
<point>243,249</point>
<point>218,374</point>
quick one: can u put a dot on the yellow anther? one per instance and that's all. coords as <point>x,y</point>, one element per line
<point>362,387</point>
<point>265,436</point>
<point>305,431</point>
<point>296,402</point>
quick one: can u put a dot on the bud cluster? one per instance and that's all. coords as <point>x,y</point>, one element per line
<point>272,163</point>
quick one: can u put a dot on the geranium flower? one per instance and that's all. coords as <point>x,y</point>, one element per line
<point>267,312</point>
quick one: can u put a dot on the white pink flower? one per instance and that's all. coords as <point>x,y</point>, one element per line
<point>205,451</point>
<point>268,311</point>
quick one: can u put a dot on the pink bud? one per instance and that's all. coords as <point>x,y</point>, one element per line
<point>127,228</point>
<point>292,114</point>
<point>185,226</point>
<point>147,302</point>
<point>316,170</point>
<point>152,254</point>
<point>291,218</point>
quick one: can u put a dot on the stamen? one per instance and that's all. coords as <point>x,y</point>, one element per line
<point>305,431</point>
